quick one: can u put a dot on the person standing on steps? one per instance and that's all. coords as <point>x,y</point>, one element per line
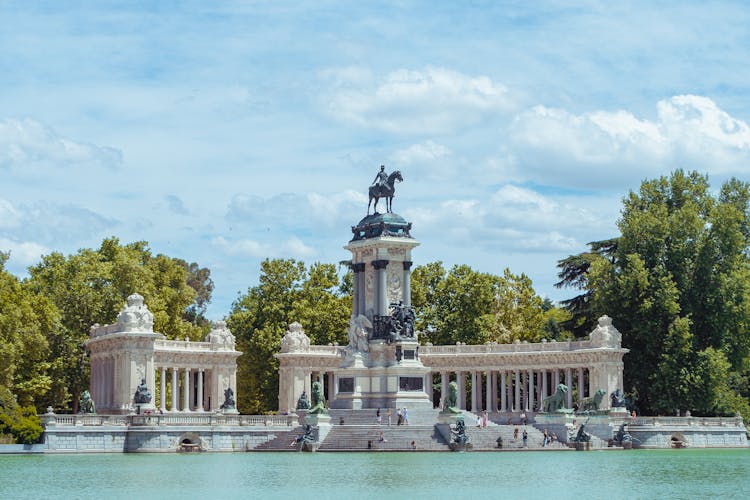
<point>515,434</point>
<point>406,416</point>
<point>378,417</point>
<point>388,415</point>
<point>399,417</point>
<point>525,438</point>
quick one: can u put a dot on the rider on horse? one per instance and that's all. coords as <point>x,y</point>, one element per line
<point>381,178</point>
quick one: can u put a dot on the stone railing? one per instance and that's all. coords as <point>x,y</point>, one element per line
<point>687,421</point>
<point>187,346</point>
<point>179,419</point>
<point>502,348</point>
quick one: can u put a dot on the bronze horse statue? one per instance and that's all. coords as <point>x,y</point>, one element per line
<point>386,191</point>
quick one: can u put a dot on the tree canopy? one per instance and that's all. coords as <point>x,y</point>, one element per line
<point>676,283</point>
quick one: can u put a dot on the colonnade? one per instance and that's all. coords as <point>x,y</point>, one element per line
<point>515,390</point>
<point>191,390</point>
<point>380,286</point>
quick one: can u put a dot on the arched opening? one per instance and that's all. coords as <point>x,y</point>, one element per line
<point>190,441</point>
<point>677,440</point>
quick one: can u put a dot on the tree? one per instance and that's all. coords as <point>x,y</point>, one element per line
<point>287,292</point>
<point>91,287</point>
<point>677,286</point>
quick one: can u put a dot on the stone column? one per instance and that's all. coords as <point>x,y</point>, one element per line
<point>186,390</point>
<point>308,384</point>
<point>503,392</point>
<point>488,381</point>
<point>539,394</point>
<point>355,294</point>
<point>175,390</point>
<point>556,380</point>
<point>443,388</point>
<point>517,402</point>
<point>163,390</point>
<point>200,390</point>
<point>329,387</point>
<point>407,283</point>
<point>580,384</point>
<point>381,297</point>
<point>473,392</point>
<point>531,390</point>
<point>359,289</point>
<point>569,383</point>
<point>495,404</point>
<point>461,380</point>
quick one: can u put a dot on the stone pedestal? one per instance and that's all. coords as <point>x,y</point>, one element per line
<point>321,426</point>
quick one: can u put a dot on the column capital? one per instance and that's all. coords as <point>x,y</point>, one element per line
<point>407,265</point>
<point>379,264</point>
<point>358,267</point>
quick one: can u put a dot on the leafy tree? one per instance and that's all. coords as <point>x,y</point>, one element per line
<point>676,283</point>
<point>18,421</point>
<point>91,287</point>
<point>287,292</point>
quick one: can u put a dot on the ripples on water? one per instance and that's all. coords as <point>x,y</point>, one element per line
<point>528,475</point>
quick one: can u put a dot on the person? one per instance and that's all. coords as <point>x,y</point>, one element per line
<point>369,444</point>
<point>381,177</point>
<point>413,445</point>
<point>499,441</point>
<point>632,414</point>
<point>545,440</point>
<point>523,418</point>
<point>406,416</point>
<point>382,437</point>
<point>341,420</point>
<point>515,434</point>
<point>399,417</point>
<point>388,415</point>
<point>379,418</point>
<point>485,419</point>
<point>553,438</point>
<point>525,438</point>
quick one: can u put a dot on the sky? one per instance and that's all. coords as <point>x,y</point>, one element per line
<point>224,133</point>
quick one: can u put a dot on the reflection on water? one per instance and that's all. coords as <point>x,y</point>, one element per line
<point>528,475</point>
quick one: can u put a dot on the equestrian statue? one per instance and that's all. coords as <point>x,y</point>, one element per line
<point>383,187</point>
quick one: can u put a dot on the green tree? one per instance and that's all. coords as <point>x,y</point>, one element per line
<point>287,292</point>
<point>91,287</point>
<point>677,287</point>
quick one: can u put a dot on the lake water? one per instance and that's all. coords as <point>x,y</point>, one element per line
<point>552,475</point>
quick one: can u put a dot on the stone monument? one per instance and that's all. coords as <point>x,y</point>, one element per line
<point>381,366</point>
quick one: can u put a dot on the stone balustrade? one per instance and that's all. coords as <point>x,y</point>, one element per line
<point>493,348</point>
<point>155,419</point>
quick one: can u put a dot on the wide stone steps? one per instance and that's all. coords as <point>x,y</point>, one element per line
<point>281,441</point>
<point>369,416</point>
<point>486,438</point>
<point>356,437</point>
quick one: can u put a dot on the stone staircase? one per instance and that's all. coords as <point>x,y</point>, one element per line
<point>355,437</point>
<point>368,416</point>
<point>486,438</point>
<point>281,441</point>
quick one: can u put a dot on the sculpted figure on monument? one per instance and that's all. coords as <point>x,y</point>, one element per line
<point>359,330</point>
<point>618,399</point>
<point>592,403</point>
<point>142,394</point>
<point>318,401</point>
<point>555,402</point>
<point>451,399</point>
<point>86,404</point>
<point>303,403</point>
<point>383,187</point>
<point>229,403</point>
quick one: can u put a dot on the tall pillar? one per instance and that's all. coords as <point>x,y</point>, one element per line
<point>461,379</point>
<point>329,387</point>
<point>381,292</point>
<point>569,383</point>
<point>407,283</point>
<point>580,384</point>
<point>175,390</point>
<point>544,384</point>
<point>503,392</point>
<point>360,287</point>
<point>308,384</point>
<point>488,399</point>
<point>556,379</point>
<point>531,390</point>
<point>517,402</point>
<point>355,295</point>
<point>186,390</point>
<point>443,388</point>
<point>474,392</point>
<point>200,390</point>
<point>163,390</point>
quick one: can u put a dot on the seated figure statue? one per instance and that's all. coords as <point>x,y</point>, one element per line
<point>142,394</point>
<point>318,400</point>
<point>229,403</point>
<point>303,403</point>
<point>86,404</point>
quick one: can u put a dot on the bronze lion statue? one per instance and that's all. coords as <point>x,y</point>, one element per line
<point>555,402</point>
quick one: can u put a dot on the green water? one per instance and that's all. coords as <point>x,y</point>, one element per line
<point>527,475</point>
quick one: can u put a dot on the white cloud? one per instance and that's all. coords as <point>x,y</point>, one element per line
<point>22,253</point>
<point>599,148</point>
<point>434,100</point>
<point>27,143</point>
<point>176,205</point>
<point>9,216</point>
<point>291,247</point>
<point>422,152</point>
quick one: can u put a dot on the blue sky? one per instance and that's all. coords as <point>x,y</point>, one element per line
<point>229,132</point>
